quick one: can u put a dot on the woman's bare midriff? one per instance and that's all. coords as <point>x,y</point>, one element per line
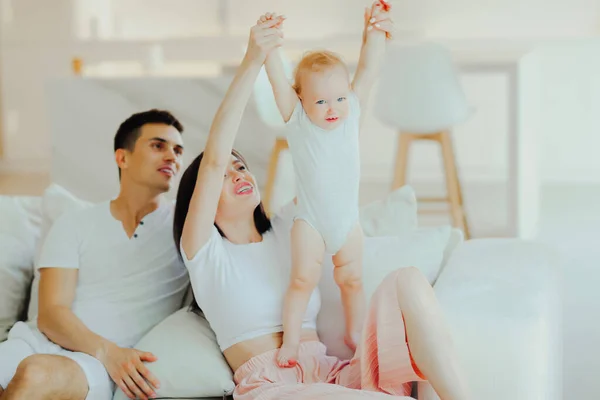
<point>239,353</point>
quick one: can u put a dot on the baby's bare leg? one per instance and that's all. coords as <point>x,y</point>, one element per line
<point>307,255</point>
<point>348,276</point>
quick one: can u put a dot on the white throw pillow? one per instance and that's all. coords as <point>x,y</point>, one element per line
<point>190,363</point>
<point>56,200</point>
<point>20,220</point>
<point>422,248</point>
<point>394,215</point>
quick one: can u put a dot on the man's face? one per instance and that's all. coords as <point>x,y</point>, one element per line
<point>156,158</point>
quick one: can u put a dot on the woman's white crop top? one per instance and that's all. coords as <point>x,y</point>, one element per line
<point>241,288</point>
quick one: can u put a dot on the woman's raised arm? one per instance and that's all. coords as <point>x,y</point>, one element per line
<point>264,37</point>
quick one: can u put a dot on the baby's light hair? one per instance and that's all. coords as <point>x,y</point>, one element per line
<point>316,61</point>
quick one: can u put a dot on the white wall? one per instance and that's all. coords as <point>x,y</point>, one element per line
<point>438,18</point>
<point>567,91</point>
<point>480,142</point>
<point>570,101</point>
<point>37,45</point>
<point>180,18</point>
<point>510,18</point>
<point>35,40</point>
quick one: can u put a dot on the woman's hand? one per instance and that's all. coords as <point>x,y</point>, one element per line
<point>378,19</point>
<point>265,36</point>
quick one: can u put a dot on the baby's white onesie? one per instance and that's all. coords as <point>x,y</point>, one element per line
<point>327,170</point>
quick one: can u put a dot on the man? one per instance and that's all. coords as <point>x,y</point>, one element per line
<point>108,274</point>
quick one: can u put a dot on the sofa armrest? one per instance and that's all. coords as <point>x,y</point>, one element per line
<point>457,238</point>
<point>502,302</point>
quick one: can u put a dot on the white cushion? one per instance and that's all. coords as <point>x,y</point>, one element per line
<point>20,219</point>
<point>56,200</point>
<point>423,249</point>
<point>190,363</point>
<point>394,215</point>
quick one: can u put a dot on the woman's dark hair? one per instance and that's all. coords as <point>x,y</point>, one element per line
<point>184,196</point>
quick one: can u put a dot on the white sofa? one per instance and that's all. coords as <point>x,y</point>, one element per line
<point>501,298</point>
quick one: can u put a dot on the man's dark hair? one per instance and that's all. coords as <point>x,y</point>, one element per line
<point>129,131</point>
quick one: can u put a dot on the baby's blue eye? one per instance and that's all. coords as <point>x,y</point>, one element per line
<point>341,99</point>
<point>321,102</point>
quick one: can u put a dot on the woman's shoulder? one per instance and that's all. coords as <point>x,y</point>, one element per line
<point>207,253</point>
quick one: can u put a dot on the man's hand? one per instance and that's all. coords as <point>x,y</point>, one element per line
<point>377,18</point>
<point>126,368</point>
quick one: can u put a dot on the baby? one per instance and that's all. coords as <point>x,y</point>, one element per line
<point>322,114</point>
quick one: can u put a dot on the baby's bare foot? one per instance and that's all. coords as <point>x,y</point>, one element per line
<point>287,356</point>
<point>351,340</point>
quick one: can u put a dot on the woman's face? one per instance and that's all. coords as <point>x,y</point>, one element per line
<point>240,192</point>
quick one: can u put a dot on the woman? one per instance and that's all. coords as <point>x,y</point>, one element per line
<point>239,265</point>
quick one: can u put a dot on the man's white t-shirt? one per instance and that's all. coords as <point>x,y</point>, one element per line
<point>125,285</point>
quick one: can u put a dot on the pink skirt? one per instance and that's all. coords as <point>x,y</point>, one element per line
<point>381,367</point>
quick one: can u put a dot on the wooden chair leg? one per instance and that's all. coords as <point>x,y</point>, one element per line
<point>453,185</point>
<point>280,145</point>
<point>401,164</point>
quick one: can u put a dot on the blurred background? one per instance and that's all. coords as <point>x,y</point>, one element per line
<point>527,156</point>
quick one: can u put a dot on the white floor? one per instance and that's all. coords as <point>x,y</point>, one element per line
<point>570,222</point>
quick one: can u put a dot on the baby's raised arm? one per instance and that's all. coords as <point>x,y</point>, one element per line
<point>378,26</point>
<point>285,95</point>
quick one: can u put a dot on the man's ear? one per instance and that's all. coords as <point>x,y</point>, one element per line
<point>121,158</point>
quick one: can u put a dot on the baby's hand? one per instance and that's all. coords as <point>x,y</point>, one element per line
<point>377,18</point>
<point>271,16</point>
<point>287,356</point>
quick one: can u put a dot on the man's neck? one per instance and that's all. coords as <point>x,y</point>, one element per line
<point>134,203</point>
<point>240,231</point>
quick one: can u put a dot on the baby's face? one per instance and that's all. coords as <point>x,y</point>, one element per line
<point>324,96</point>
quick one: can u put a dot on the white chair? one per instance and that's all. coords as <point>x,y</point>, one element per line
<point>420,96</point>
